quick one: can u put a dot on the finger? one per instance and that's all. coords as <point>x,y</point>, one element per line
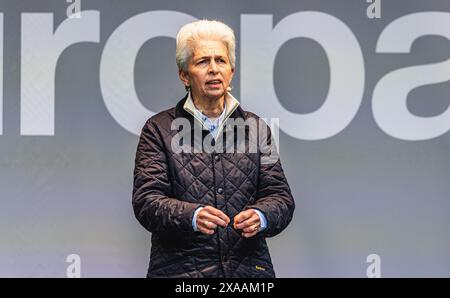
<point>218,213</point>
<point>209,224</point>
<point>248,235</point>
<point>205,230</point>
<point>252,228</point>
<point>208,221</point>
<point>212,219</point>
<point>241,216</point>
<point>254,220</point>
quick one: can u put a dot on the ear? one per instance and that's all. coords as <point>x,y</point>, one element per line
<point>184,77</point>
<point>232,74</point>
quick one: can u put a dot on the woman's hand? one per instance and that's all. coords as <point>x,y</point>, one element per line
<point>248,221</point>
<point>208,218</point>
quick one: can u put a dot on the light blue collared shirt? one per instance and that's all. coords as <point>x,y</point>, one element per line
<point>212,125</point>
<point>230,105</point>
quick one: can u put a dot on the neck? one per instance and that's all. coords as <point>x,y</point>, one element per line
<point>212,108</point>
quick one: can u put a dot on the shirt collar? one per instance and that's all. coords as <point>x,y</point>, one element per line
<point>231,105</point>
<point>210,120</point>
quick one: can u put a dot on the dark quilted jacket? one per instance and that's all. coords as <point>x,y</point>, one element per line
<point>169,186</point>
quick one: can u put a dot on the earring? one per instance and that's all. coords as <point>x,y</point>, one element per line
<point>187,88</point>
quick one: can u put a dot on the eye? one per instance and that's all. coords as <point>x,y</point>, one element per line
<point>221,60</point>
<point>201,62</point>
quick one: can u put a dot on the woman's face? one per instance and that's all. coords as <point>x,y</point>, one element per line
<point>209,71</point>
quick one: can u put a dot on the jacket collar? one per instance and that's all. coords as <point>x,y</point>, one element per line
<point>184,109</point>
<point>237,112</point>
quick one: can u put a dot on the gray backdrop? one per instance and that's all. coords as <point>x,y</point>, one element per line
<point>369,171</point>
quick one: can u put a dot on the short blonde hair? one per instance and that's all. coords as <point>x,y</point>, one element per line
<point>206,30</point>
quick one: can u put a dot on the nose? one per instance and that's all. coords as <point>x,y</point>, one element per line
<point>213,67</point>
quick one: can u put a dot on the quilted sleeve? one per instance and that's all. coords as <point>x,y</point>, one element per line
<point>274,197</point>
<point>153,204</point>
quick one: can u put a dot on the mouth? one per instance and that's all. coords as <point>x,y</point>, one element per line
<point>214,83</point>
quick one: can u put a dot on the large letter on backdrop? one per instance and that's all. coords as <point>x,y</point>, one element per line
<point>389,104</point>
<point>118,59</point>
<point>260,44</point>
<point>41,49</point>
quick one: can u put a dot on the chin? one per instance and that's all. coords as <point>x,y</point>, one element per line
<point>215,93</point>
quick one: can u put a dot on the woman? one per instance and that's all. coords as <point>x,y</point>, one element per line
<point>209,212</point>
